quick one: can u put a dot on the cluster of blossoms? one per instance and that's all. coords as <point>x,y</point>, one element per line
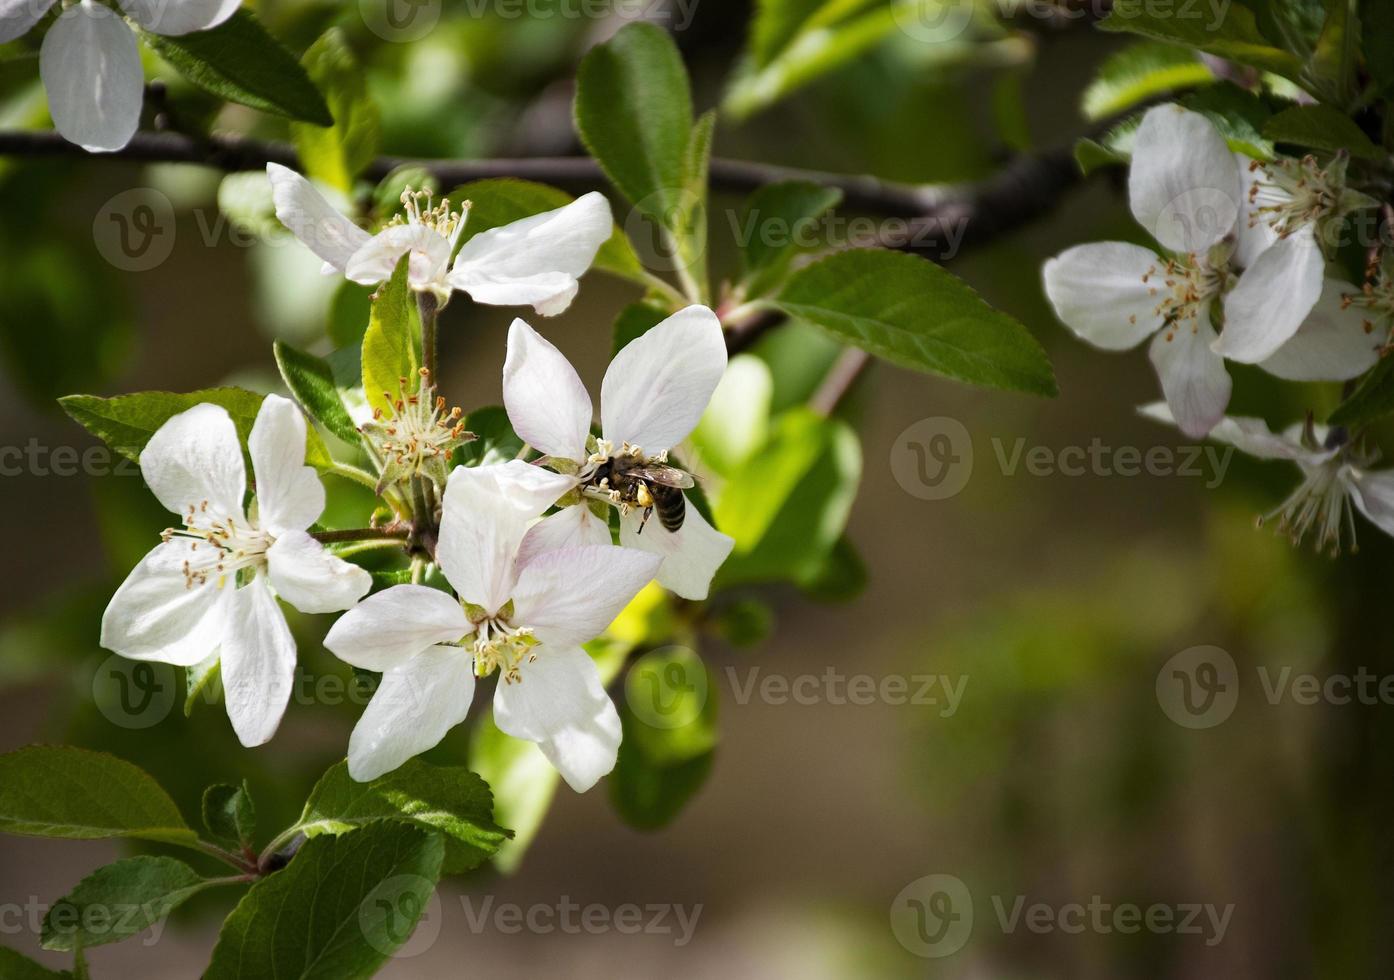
<point>1244,278</point>
<point>528,589</point>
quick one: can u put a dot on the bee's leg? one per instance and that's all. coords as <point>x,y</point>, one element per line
<point>648,512</point>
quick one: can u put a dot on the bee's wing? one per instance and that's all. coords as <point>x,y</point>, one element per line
<point>664,476</point>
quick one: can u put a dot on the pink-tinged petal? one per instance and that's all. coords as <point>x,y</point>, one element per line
<point>1373,493</point>
<point>1193,376</point>
<point>560,704</point>
<point>290,496</point>
<point>658,386</point>
<point>312,580</point>
<point>258,660</point>
<point>1106,293</point>
<point>570,527</point>
<point>175,17</point>
<point>1272,298</point>
<point>18,17</point>
<point>546,401</point>
<point>377,258</point>
<point>1183,184</point>
<point>194,462</point>
<point>1248,435</point>
<point>413,708</point>
<point>90,65</point>
<point>691,555</point>
<point>157,614</point>
<point>1333,343</point>
<point>387,629</point>
<point>535,261</point>
<point>486,512</point>
<point>312,219</point>
<point>568,597</point>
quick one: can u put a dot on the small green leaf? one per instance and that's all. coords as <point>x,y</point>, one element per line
<point>1372,399</point>
<point>1333,63</point>
<point>503,200</point>
<point>1323,128</point>
<point>119,901</point>
<point>239,61</point>
<point>736,421</point>
<point>1141,72</point>
<point>779,221</point>
<point>494,442</point>
<point>450,799</point>
<point>634,321</point>
<point>60,791</point>
<point>392,343</point>
<point>523,782</point>
<point>913,313</point>
<point>337,154</point>
<point>842,578</point>
<point>229,814</point>
<point>1237,113</point>
<point>311,381</point>
<point>126,422</point>
<point>339,909</point>
<point>202,681</point>
<point>690,224</point>
<point>1228,30</point>
<point>647,794</point>
<point>13,966</point>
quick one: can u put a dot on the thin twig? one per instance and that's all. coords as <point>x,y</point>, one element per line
<point>838,382</point>
<point>361,534</point>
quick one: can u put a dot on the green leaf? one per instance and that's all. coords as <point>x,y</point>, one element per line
<point>337,912</point>
<point>1377,23</point>
<point>842,577</point>
<point>450,799</point>
<point>1372,399</point>
<point>671,696</point>
<point>1237,113</point>
<point>1227,30</point>
<point>690,224</point>
<point>1141,72</point>
<point>239,61</point>
<point>649,795</point>
<point>634,113</point>
<point>913,313</point>
<point>736,421</point>
<point>311,381</point>
<point>13,966</point>
<point>788,504</point>
<point>494,442</point>
<point>1323,128</point>
<point>523,782</point>
<point>392,343</point>
<point>119,901</point>
<point>503,200</point>
<point>229,814</point>
<point>1334,60</point>
<point>634,321</point>
<point>337,154</point>
<point>779,221</point>
<point>60,791</point>
<point>202,681</point>
<point>126,422</point>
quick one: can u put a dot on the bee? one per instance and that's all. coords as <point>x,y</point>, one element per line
<point>652,486</point>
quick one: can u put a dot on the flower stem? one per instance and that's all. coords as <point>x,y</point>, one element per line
<point>428,308</point>
<point>361,534</point>
<point>227,857</point>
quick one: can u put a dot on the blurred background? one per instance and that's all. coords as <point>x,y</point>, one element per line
<point>831,838</point>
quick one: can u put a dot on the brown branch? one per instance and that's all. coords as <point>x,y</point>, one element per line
<point>361,534</point>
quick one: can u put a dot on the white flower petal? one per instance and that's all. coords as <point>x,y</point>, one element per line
<point>570,527</point>
<point>568,597</point>
<point>312,219</point>
<point>90,65</point>
<point>411,711</point>
<point>1193,376</point>
<point>546,401</point>
<point>290,496</point>
<point>174,17</point>
<point>312,580</point>
<point>1272,298</point>
<point>157,615</point>
<point>194,461</point>
<point>1253,234</point>
<point>561,704</point>
<point>1373,494</point>
<point>1332,344</point>
<point>535,261</point>
<point>1100,293</point>
<point>17,17</point>
<point>691,555</point>
<point>387,629</point>
<point>258,663</point>
<point>486,512</point>
<point>658,386</point>
<point>1248,435</point>
<point>1183,184</point>
<point>377,259</point>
